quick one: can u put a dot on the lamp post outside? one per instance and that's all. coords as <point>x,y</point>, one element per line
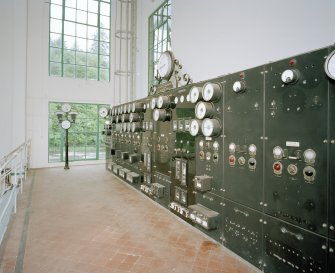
<point>66,118</point>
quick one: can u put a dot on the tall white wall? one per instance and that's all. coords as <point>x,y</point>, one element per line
<point>13,25</point>
<point>41,88</point>
<point>215,37</point>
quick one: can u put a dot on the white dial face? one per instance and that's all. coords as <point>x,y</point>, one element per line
<point>278,152</point>
<point>195,127</point>
<point>129,107</point>
<point>66,124</point>
<point>66,107</point>
<point>232,147</point>
<point>216,145</point>
<point>203,109</point>
<point>133,107</point>
<point>182,98</point>
<point>207,127</point>
<point>238,86</point>
<point>153,103</point>
<point>330,65</point>
<point>195,94</point>
<point>103,112</point>
<point>252,149</point>
<point>160,102</point>
<point>156,115</point>
<point>287,76</point>
<point>309,156</point>
<point>208,92</point>
<point>165,65</point>
<point>176,100</point>
<point>125,108</point>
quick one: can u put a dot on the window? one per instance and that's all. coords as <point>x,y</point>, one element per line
<point>79,41</point>
<point>85,139</point>
<point>159,37</point>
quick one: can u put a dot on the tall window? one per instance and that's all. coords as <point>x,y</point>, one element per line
<point>79,41</point>
<point>159,37</point>
<point>85,139</point>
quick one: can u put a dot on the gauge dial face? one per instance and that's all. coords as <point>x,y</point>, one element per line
<point>210,127</point>
<point>162,101</point>
<point>309,156</point>
<point>125,108</point>
<point>252,149</point>
<point>66,107</point>
<point>238,86</point>
<point>330,65</point>
<point>153,103</point>
<point>103,112</point>
<point>195,127</point>
<point>66,124</point>
<point>203,110</point>
<point>133,107</point>
<point>278,152</point>
<point>195,94</point>
<point>166,65</point>
<point>211,92</point>
<point>289,76</point>
<point>156,114</point>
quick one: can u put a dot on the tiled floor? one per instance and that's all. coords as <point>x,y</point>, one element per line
<point>86,220</point>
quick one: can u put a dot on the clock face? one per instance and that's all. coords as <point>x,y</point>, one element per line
<point>103,112</point>
<point>66,107</point>
<point>165,65</point>
<point>66,124</point>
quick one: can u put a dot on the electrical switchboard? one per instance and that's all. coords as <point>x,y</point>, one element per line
<point>247,158</point>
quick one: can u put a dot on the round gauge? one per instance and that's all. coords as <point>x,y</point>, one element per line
<point>188,97</point>
<point>160,115</point>
<point>135,127</point>
<point>309,156</point>
<point>195,127</point>
<point>232,147</point>
<point>163,102</point>
<point>290,76</point>
<point>252,149</point>
<point>134,117</point>
<point>129,106</point>
<point>211,92</point>
<point>125,108</point>
<point>103,112</point>
<point>66,124</point>
<point>195,94</point>
<point>182,98</point>
<point>211,127</point>
<point>124,127</point>
<point>165,65</point>
<point>330,65</point>
<point>239,86</point>
<point>153,103</point>
<point>176,100</point>
<point>204,110</point>
<point>66,107</point>
<point>278,152</point>
<point>125,118</point>
<point>216,145</point>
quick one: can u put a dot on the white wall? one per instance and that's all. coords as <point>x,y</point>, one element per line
<point>216,37</point>
<point>42,88</point>
<point>13,24</point>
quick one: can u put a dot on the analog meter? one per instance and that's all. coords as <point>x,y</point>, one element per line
<point>290,76</point>
<point>66,107</point>
<point>66,124</point>
<point>211,92</point>
<point>166,65</point>
<point>195,127</point>
<point>204,110</point>
<point>195,94</point>
<point>161,115</point>
<point>211,127</point>
<point>153,103</point>
<point>163,102</point>
<point>103,112</point>
<point>239,86</point>
<point>330,65</point>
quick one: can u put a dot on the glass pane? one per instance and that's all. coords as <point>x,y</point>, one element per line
<point>70,3</point>
<point>81,58</point>
<point>82,4</point>
<point>81,44</point>
<point>80,72</point>
<point>92,46</point>
<point>93,6</point>
<point>82,17</point>
<point>104,61</point>
<point>104,74</point>
<point>69,70</point>
<point>104,9</point>
<point>104,35</point>
<point>59,2</point>
<point>93,19</point>
<point>56,11</point>
<point>81,30</point>
<point>55,69</point>
<point>92,33</point>
<point>69,42</point>
<point>104,48</point>
<point>69,28</point>
<point>55,54</point>
<point>92,59</point>
<point>104,22</point>
<point>55,26</point>
<point>70,14</point>
<point>69,56</point>
<point>92,73</point>
<point>55,40</point>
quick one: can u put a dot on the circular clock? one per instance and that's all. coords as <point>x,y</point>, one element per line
<point>166,65</point>
<point>103,112</point>
<point>66,107</point>
<point>66,124</point>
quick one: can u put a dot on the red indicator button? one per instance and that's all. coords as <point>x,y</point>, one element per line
<point>232,160</point>
<point>277,166</point>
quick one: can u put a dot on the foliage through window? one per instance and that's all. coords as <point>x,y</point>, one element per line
<point>159,37</point>
<point>79,41</point>
<point>85,139</point>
